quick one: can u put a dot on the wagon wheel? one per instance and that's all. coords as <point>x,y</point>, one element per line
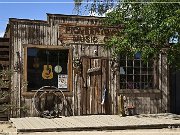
<point>49,101</point>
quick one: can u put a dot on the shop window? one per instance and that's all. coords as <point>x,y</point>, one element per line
<point>47,67</point>
<point>136,74</point>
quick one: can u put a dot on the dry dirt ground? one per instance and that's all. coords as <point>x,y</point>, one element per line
<point>7,129</point>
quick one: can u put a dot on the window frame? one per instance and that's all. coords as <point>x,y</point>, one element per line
<point>50,47</point>
<point>155,81</point>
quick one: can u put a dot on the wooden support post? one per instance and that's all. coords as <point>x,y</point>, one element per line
<point>121,106</point>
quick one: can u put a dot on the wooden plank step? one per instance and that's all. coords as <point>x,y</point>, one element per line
<point>89,123</point>
<point>3,118</point>
<point>5,88</point>
<point>4,43</point>
<point>67,124</point>
<point>27,123</point>
<point>2,39</point>
<point>2,115</point>
<point>36,124</point>
<point>4,56</point>
<point>3,62</point>
<point>4,49</point>
<point>60,123</point>
<point>18,124</point>
<point>75,122</point>
<point>41,122</point>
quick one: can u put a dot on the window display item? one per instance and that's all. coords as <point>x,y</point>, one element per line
<point>47,72</point>
<point>58,69</point>
<point>62,81</point>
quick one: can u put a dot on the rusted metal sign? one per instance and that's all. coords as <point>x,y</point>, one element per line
<point>87,34</point>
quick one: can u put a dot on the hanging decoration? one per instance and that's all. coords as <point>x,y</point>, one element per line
<point>47,69</point>
<point>58,68</point>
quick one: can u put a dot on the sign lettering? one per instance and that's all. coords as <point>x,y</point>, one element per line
<point>88,34</point>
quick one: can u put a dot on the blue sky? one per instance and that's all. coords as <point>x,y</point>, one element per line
<point>35,11</point>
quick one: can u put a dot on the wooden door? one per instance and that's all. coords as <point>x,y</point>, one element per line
<point>94,94</point>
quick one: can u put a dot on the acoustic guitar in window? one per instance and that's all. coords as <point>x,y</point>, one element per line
<point>47,72</point>
<point>47,69</point>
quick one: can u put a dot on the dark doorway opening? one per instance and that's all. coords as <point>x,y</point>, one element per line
<point>175,91</point>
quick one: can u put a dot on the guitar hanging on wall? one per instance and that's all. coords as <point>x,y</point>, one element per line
<point>47,69</point>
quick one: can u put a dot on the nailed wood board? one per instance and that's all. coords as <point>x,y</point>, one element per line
<point>91,122</point>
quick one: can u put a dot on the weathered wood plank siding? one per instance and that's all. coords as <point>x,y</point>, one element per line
<point>24,32</point>
<point>34,32</point>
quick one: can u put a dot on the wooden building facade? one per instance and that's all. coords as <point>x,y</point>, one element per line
<point>72,47</point>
